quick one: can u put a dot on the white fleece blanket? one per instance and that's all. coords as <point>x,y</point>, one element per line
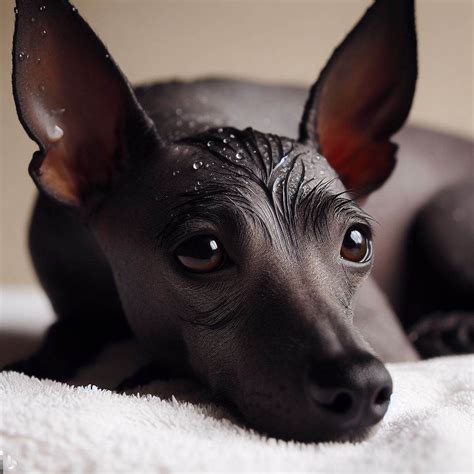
<point>51,427</point>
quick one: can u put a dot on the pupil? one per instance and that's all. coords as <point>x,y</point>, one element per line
<point>200,248</point>
<point>355,239</point>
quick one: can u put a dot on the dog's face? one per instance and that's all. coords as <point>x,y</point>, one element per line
<point>239,248</point>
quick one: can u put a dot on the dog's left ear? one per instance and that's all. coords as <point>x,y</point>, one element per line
<point>364,95</point>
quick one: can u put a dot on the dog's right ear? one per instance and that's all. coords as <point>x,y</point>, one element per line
<point>74,102</point>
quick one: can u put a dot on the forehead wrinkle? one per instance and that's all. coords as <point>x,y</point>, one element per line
<point>212,202</point>
<point>261,152</point>
<point>262,163</point>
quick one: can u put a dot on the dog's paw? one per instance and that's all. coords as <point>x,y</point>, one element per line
<point>444,334</point>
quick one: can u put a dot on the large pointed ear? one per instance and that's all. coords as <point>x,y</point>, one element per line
<point>73,101</point>
<point>364,95</point>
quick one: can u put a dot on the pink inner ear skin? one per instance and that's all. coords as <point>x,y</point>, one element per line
<point>363,165</point>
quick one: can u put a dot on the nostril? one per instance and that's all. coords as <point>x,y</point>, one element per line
<point>342,403</point>
<point>383,396</point>
<point>339,402</point>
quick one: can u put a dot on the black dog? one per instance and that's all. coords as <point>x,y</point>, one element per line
<point>233,254</point>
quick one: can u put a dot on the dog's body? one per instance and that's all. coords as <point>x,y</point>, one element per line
<point>102,278</point>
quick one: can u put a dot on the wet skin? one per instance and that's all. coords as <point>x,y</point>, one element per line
<point>238,256</point>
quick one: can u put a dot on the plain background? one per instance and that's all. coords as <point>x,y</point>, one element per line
<point>280,41</point>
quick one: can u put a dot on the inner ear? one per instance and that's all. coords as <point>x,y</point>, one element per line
<point>364,94</point>
<point>72,100</point>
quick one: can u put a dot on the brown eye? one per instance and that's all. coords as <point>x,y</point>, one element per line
<point>356,246</point>
<point>201,254</point>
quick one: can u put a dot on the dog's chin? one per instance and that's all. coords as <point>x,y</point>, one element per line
<point>354,436</point>
<point>357,436</point>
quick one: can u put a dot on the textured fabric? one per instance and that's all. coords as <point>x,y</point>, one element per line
<point>50,427</point>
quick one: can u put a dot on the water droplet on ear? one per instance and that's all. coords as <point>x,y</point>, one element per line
<point>238,156</point>
<point>44,33</point>
<point>197,165</point>
<point>220,130</point>
<point>207,165</point>
<point>56,133</point>
<point>209,143</point>
<point>38,60</point>
<point>15,10</point>
<point>226,140</point>
<point>21,56</point>
<point>232,136</point>
<point>32,19</point>
<point>74,9</point>
<point>107,56</point>
<point>42,8</point>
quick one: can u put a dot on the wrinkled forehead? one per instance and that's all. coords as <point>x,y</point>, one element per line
<point>226,174</point>
<point>228,156</point>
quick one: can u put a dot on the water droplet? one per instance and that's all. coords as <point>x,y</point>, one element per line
<point>232,136</point>
<point>32,19</point>
<point>38,60</point>
<point>238,156</point>
<point>209,143</point>
<point>56,133</point>
<point>44,33</point>
<point>197,165</point>
<point>226,140</point>
<point>207,165</point>
<point>15,10</point>
<point>107,56</point>
<point>58,111</point>
<point>74,9</point>
<point>220,130</point>
<point>21,56</point>
<point>42,8</point>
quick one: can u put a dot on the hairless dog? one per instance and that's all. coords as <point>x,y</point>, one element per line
<point>235,246</point>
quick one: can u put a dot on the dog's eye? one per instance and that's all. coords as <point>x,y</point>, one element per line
<point>356,246</point>
<point>201,254</point>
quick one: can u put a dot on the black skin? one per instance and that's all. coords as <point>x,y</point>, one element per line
<point>276,329</point>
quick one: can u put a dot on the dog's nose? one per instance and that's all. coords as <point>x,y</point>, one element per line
<point>350,392</point>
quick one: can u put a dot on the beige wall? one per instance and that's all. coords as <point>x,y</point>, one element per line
<point>265,39</point>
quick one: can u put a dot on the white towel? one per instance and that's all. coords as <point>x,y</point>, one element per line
<point>51,427</point>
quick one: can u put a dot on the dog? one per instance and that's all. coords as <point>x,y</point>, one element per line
<point>235,249</point>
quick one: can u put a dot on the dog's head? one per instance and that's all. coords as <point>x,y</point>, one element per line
<point>244,247</point>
